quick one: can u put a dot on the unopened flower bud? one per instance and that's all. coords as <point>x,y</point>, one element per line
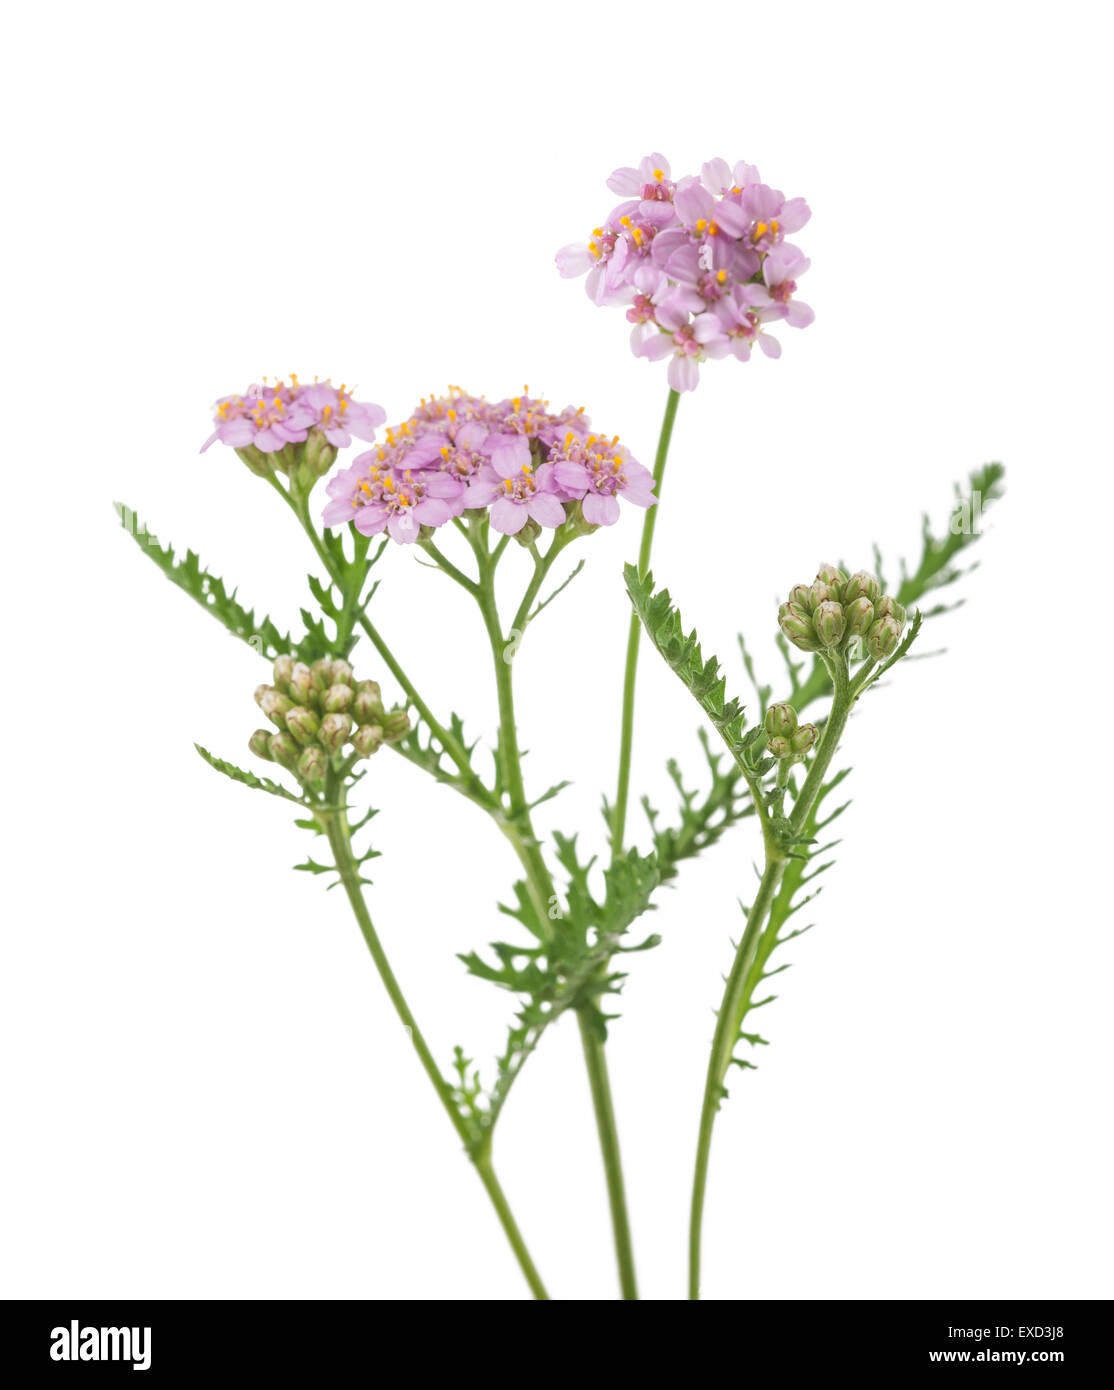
<point>804,738</point>
<point>320,455</point>
<point>829,623</point>
<point>800,594</point>
<point>260,744</point>
<point>820,592</point>
<point>576,521</point>
<point>780,747</point>
<point>888,607</point>
<point>861,585</point>
<point>832,576</point>
<point>302,723</point>
<point>300,682</point>
<point>284,669</point>
<point>780,719</point>
<point>342,672</point>
<point>313,763</point>
<point>274,704</point>
<point>396,725</point>
<point>367,739</point>
<point>261,464</point>
<point>529,533</point>
<point>367,707</point>
<point>284,750</point>
<point>322,673</point>
<point>860,615</point>
<point>335,728</point>
<point>337,698</point>
<point>797,627</point>
<point>883,637</point>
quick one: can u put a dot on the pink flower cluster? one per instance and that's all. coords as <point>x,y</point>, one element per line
<point>526,467</point>
<point>270,417</point>
<point>702,263</point>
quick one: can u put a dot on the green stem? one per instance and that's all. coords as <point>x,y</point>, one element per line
<point>451,745</point>
<point>337,830</point>
<point>730,1016</point>
<point>626,737</point>
<point>519,827</point>
<point>728,1023</point>
<point>595,1059</point>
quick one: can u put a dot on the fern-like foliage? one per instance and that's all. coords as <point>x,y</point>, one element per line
<point>568,963</point>
<point>794,893</point>
<point>260,633</point>
<point>249,779</point>
<point>208,590</point>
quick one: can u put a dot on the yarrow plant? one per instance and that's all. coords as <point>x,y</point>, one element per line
<point>704,267</point>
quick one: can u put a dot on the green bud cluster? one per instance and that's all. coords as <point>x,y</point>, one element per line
<point>788,739</point>
<point>836,610</point>
<point>316,711</point>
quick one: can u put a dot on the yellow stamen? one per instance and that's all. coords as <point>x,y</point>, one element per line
<point>701,224</point>
<point>713,230</point>
<point>761,229</point>
<point>722,276</point>
<point>624,221</point>
<point>326,412</point>
<point>293,381</point>
<point>507,484</point>
<point>659,174</point>
<point>636,232</point>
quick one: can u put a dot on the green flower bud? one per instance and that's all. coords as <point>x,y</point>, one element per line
<point>529,533</point>
<point>260,463</point>
<point>367,707</point>
<point>313,763</point>
<point>260,744</point>
<point>576,522</point>
<point>820,592</point>
<point>861,585</point>
<point>334,730</point>
<point>284,750</point>
<point>833,577</point>
<point>274,704</point>
<point>337,698</point>
<point>798,630</point>
<point>887,607</point>
<point>342,672</point>
<point>780,719</point>
<point>319,454</point>
<point>797,626</point>
<point>303,724</point>
<point>300,683</point>
<point>396,725</point>
<point>284,669</point>
<point>883,637</point>
<point>829,623</point>
<point>860,615</point>
<point>800,595</point>
<point>322,673</point>
<point>804,738</point>
<point>367,739</point>
<point>780,747</point>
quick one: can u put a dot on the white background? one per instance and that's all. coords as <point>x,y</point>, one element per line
<point>204,1092</point>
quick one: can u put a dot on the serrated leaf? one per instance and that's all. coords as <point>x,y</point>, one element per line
<point>249,779</point>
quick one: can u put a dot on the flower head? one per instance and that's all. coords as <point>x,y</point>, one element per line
<point>702,262</point>
<point>294,429</point>
<point>527,467</point>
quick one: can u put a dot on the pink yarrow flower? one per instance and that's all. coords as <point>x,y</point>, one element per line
<point>515,459</point>
<point>701,262</point>
<point>270,417</point>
